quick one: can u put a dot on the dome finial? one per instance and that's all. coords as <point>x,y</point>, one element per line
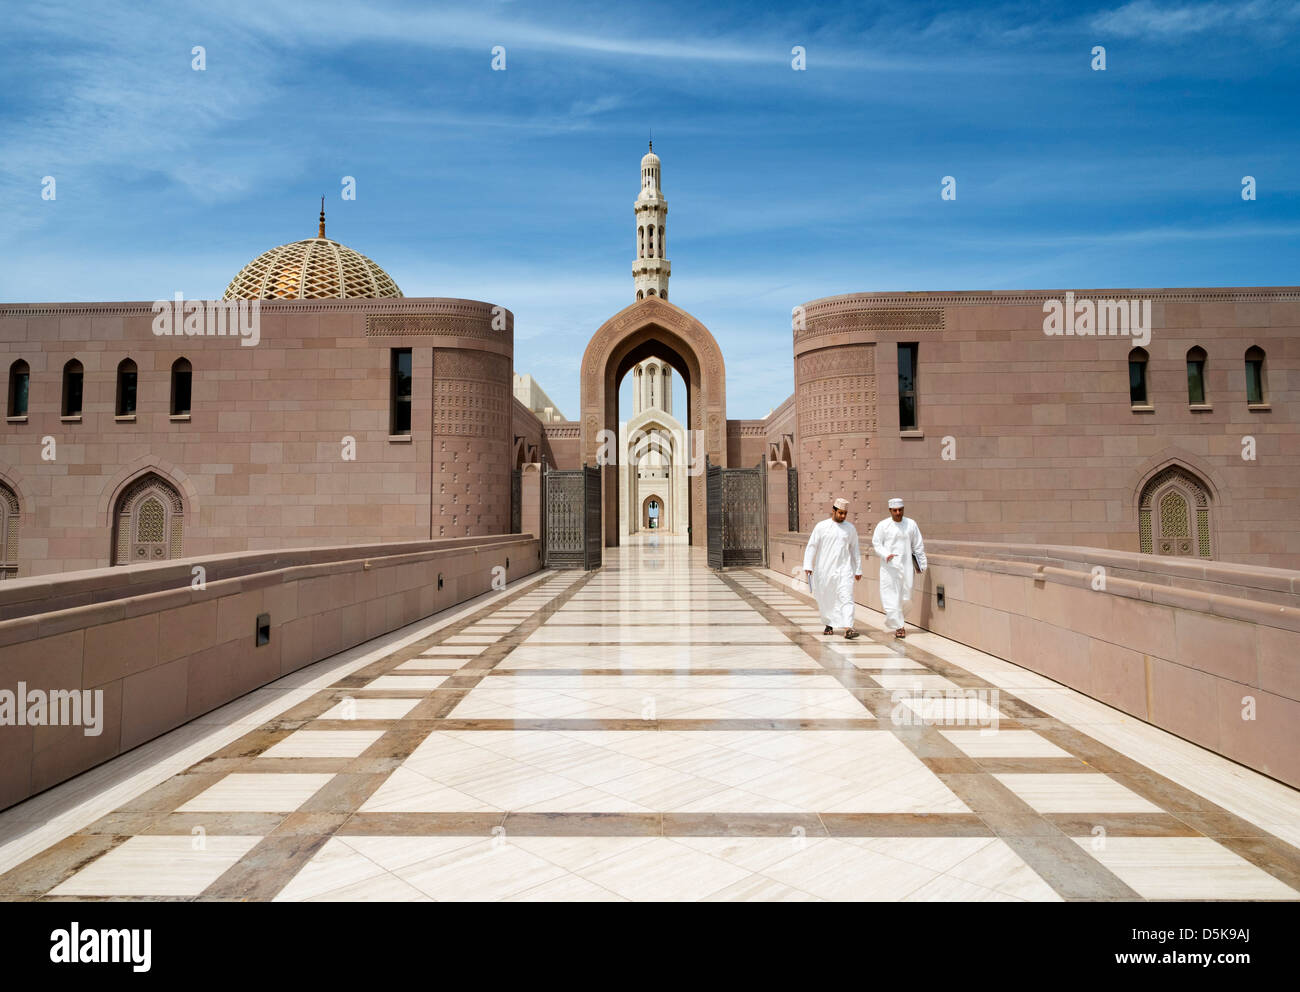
<point>321,233</point>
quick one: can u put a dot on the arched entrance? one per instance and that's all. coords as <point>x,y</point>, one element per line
<point>654,328</point>
<point>654,509</point>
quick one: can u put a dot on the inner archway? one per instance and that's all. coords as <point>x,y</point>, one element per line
<point>654,515</point>
<point>654,328</point>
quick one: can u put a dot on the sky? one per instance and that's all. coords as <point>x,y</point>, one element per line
<point>784,185</point>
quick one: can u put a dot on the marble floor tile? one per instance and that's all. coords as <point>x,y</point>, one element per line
<point>1185,868</point>
<point>158,866</point>
<point>323,744</point>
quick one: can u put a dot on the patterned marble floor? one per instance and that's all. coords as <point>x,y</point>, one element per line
<point>657,731</point>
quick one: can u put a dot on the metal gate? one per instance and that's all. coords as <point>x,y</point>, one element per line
<point>792,498</point>
<point>736,504</point>
<point>571,535</point>
<point>516,501</point>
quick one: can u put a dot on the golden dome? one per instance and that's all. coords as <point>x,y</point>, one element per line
<point>316,269</point>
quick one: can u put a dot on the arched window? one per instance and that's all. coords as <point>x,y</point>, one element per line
<point>640,241</point>
<point>650,243</point>
<point>640,294</point>
<point>147,521</point>
<point>182,378</point>
<point>661,241</point>
<point>126,381</point>
<point>73,378</point>
<point>1174,515</point>
<point>1196,376</point>
<point>1137,377</point>
<point>1256,393</point>
<point>8,533</point>
<point>652,292</point>
<point>20,376</point>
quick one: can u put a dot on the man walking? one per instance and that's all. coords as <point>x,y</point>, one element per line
<point>897,542</point>
<point>832,563</point>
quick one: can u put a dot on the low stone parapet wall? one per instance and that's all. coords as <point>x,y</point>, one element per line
<point>160,644</point>
<point>1205,650</point>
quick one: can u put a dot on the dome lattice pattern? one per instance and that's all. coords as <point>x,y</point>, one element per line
<point>316,269</point>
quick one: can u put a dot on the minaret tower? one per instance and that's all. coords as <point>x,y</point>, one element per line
<point>651,269</point>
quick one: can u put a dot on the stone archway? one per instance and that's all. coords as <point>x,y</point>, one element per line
<point>661,506</point>
<point>653,327</point>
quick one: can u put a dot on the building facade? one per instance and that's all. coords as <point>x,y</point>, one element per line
<point>1161,421</point>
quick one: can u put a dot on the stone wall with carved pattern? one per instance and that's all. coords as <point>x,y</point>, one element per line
<point>473,413</point>
<point>835,402</point>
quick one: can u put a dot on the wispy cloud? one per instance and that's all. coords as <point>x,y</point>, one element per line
<point>1145,19</point>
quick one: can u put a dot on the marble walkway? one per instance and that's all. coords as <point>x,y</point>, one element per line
<point>658,731</point>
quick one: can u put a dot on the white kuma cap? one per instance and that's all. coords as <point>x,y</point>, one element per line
<point>841,504</point>
<point>895,503</point>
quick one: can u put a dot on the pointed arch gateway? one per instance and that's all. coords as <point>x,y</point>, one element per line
<point>655,328</point>
<point>148,521</point>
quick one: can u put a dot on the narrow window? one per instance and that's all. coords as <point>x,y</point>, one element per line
<point>1255,376</point>
<point>1137,377</point>
<point>661,241</point>
<point>182,377</point>
<point>907,412</point>
<point>19,379</point>
<point>126,382</point>
<point>1196,376</point>
<point>401,392</point>
<point>73,378</point>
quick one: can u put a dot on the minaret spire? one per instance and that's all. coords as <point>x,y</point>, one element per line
<point>321,234</point>
<point>651,269</point>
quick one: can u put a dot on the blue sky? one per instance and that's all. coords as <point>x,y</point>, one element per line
<point>783,186</point>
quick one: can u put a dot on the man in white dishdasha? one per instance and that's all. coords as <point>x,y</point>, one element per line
<point>897,542</point>
<point>832,563</point>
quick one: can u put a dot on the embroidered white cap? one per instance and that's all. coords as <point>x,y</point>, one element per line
<point>895,503</point>
<point>841,504</point>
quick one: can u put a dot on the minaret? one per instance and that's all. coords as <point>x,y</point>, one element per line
<point>651,269</point>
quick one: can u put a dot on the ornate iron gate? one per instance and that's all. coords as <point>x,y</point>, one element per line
<point>736,501</point>
<point>516,501</point>
<point>571,532</point>
<point>792,498</point>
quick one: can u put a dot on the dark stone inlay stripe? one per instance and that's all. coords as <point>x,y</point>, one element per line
<point>905,825</point>
<point>1121,824</point>
<point>421,824</point>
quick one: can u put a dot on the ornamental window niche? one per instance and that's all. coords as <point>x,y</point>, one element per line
<point>1174,515</point>
<point>148,522</point>
<point>9,514</point>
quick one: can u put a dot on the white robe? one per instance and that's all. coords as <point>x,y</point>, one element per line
<point>834,558</point>
<point>902,540</point>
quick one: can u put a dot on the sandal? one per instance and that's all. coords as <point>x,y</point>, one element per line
<point>829,630</point>
<point>900,634</point>
<point>850,634</point>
